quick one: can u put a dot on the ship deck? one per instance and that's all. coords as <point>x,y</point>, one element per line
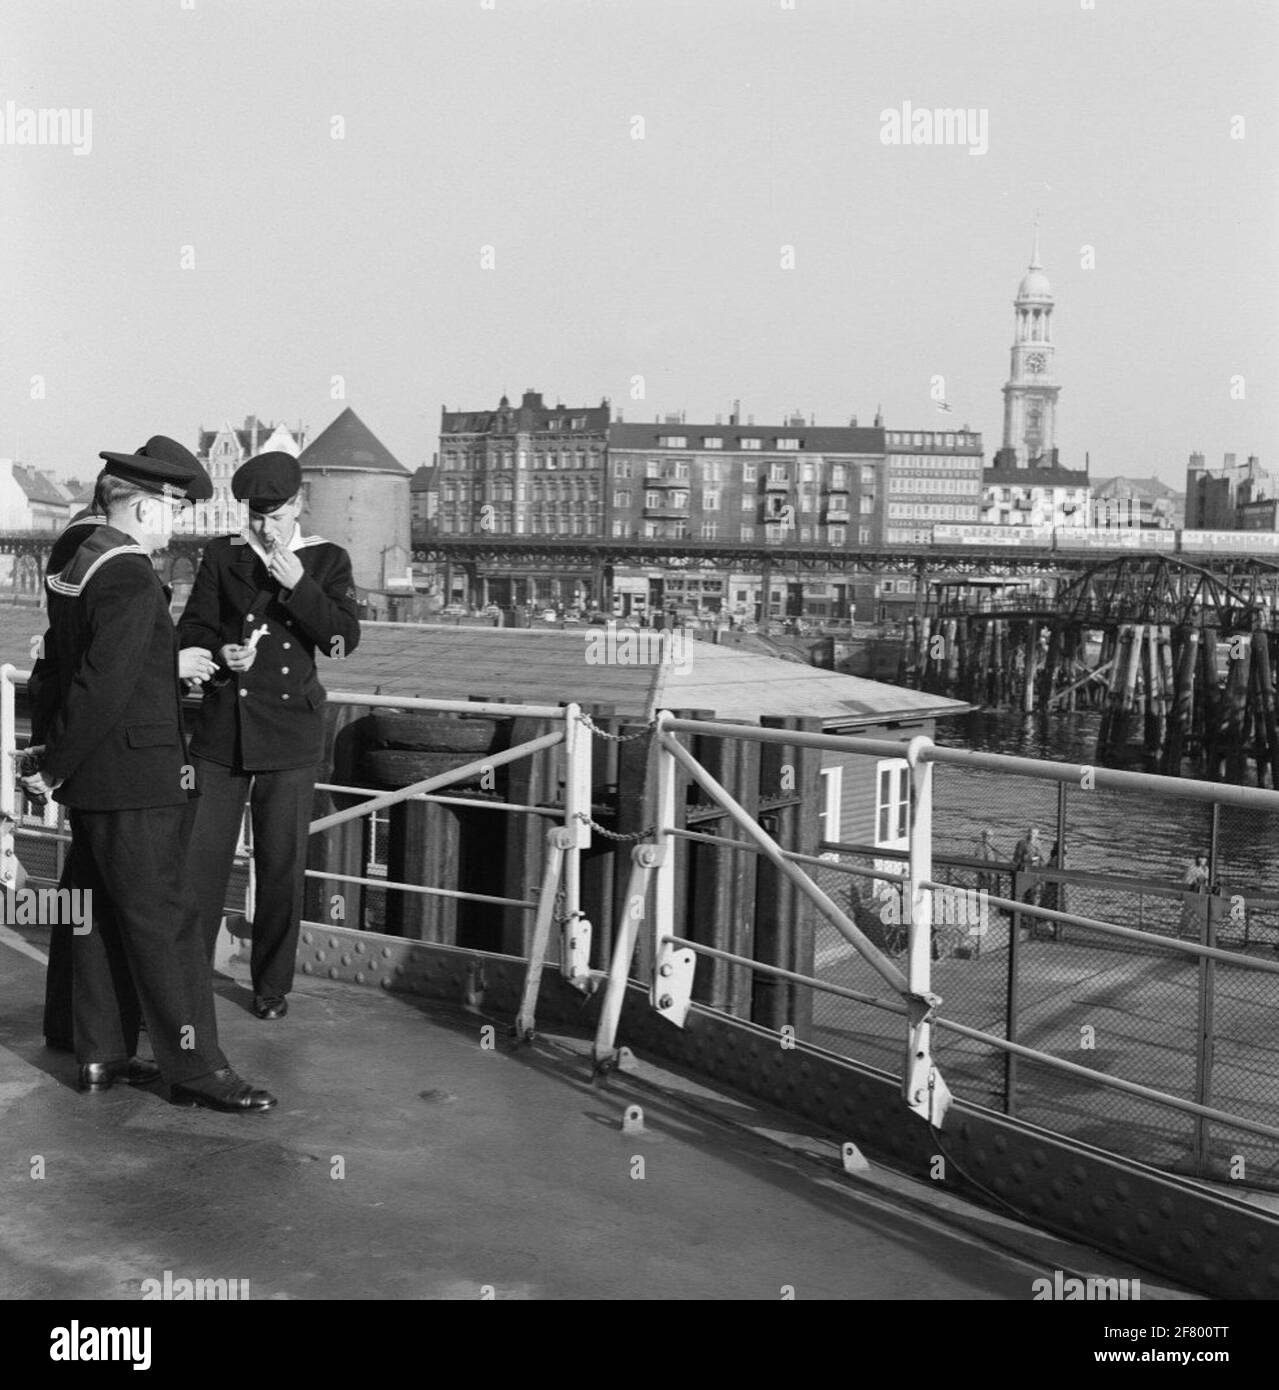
<point>406,1160</point>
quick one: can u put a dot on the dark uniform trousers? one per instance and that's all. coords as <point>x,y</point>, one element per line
<point>280,805</point>
<point>260,733</point>
<point>143,957</point>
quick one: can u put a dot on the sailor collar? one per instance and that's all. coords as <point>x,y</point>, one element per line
<point>100,545</point>
<point>297,542</point>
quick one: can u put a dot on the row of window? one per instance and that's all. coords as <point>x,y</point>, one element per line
<point>680,529</point>
<point>970,487</point>
<point>936,463</point>
<point>563,460</point>
<point>679,470</point>
<point>808,501</point>
<point>534,491</point>
<point>931,439</point>
<point>937,511</point>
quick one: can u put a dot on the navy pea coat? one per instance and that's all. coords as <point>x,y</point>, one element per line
<point>107,705</point>
<point>271,717</point>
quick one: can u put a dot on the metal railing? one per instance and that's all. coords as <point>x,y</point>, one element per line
<point>651,916</point>
<point>924,1090</point>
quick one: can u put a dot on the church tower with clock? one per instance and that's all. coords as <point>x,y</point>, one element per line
<point>1030,394</point>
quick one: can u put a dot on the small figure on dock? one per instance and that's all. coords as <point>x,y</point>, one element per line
<point>1050,892</point>
<point>1029,854</point>
<point>987,879</point>
<point>1194,880</point>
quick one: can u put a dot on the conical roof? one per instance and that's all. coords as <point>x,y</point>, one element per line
<point>349,444</point>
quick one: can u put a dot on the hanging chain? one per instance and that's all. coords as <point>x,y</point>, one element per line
<point>630,838</point>
<point>616,738</point>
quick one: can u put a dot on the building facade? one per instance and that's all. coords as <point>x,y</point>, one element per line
<point>522,470</point>
<point>796,483</point>
<point>221,452</point>
<point>932,476</point>
<point>1221,499</point>
<point>1136,503</point>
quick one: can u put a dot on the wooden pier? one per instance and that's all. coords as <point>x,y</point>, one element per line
<point>1180,662</point>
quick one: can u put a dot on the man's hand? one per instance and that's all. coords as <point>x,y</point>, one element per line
<point>196,664</point>
<point>238,656</point>
<point>285,567</point>
<point>31,779</point>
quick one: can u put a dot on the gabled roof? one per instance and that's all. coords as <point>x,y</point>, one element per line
<point>551,666</point>
<point>40,487</point>
<point>1146,489</point>
<point>244,437</point>
<point>423,479</point>
<point>349,444</point>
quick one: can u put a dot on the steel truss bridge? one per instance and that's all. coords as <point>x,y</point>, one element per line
<point>1240,594</point>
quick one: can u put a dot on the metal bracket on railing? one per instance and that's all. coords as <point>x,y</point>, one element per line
<point>672,990</point>
<point>923,1088</point>
<point>575,952</point>
<point>558,841</point>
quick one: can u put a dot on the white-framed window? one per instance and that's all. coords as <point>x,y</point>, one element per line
<point>621,468</point>
<point>710,501</point>
<point>710,530</point>
<point>712,441</point>
<point>748,472</point>
<point>673,441</point>
<point>622,497</point>
<point>838,535</point>
<point>749,502</point>
<point>868,475</point>
<point>863,535</point>
<point>748,533</point>
<point>778,473</point>
<point>619,527</point>
<point>892,803</point>
<point>832,801</point>
<point>805,534</point>
<point>788,442</point>
<point>652,499</point>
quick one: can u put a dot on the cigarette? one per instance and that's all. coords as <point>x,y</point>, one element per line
<point>257,636</point>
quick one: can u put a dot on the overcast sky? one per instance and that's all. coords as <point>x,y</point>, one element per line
<point>511,124</point>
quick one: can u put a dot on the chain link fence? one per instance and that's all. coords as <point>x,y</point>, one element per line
<point>1133,1007</point>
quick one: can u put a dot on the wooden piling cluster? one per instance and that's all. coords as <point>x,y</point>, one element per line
<point>1173,697</point>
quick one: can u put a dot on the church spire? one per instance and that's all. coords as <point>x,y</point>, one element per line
<point>1035,263</point>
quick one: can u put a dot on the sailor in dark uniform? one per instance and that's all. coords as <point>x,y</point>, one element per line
<point>107,703</point>
<point>264,603</point>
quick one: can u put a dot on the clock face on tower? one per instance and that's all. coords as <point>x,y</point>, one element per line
<point>1036,362</point>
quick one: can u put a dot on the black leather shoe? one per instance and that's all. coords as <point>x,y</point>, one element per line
<point>270,1005</point>
<point>101,1076</point>
<point>222,1090</point>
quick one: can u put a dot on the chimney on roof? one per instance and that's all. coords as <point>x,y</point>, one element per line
<point>852,424</point>
<point>879,418</point>
<point>750,419</point>
<point>736,417</point>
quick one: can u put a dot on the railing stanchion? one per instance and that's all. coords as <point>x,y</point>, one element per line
<point>922,1086</point>
<point>557,843</point>
<point>644,860</point>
